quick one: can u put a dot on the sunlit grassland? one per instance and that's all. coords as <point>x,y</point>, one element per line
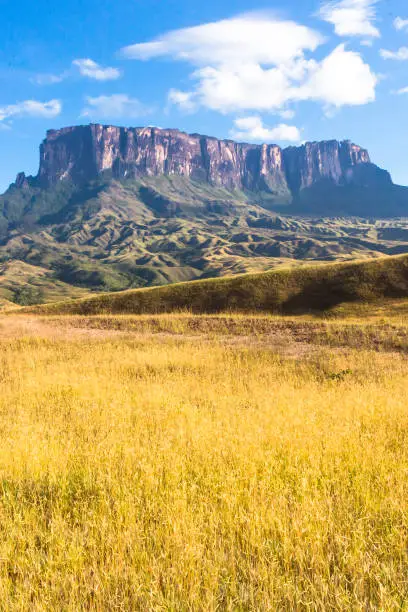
<point>291,290</point>
<point>167,472</point>
<point>381,325</point>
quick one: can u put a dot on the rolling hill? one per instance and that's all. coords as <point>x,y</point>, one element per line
<point>288,290</point>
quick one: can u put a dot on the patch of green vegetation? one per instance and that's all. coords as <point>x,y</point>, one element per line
<point>25,284</point>
<point>28,295</point>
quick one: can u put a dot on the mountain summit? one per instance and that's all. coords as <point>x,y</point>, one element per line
<point>83,153</point>
<point>114,208</point>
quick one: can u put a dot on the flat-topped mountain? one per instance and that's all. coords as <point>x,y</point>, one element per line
<point>114,208</point>
<point>84,152</point>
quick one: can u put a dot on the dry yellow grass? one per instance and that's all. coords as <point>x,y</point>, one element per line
<point>169,472</point>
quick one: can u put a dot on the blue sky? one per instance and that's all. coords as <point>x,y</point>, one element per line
<point>283,72</point>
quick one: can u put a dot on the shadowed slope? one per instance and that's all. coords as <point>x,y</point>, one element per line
<point>287,290</point>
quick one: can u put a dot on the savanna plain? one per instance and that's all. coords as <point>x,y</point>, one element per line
<point>195,462</point>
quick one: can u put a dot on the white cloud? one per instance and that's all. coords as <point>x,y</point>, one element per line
<point>401,55</point>
<point>47,79</point>
<point>31,108</point>
<point>252,128</point>
<point>182,99</point>
<point>287,114</point>
<point>255,62</point>
<point>351,17</point>
<point>400,24</point>
<point>247,87</point>
<point>255,37</point>
<point>86,68</point>
<point>402,91</point>
<point>117,105</point>
<point>341,79</point>
<point>92,70</point>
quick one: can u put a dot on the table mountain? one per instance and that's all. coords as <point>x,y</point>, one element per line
<point>114,208</point>
<point>84,152</point>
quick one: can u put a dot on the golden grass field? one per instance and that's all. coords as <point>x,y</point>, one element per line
<point>181,462</point>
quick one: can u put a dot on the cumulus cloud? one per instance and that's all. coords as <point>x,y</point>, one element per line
<point>115,106</point>
<point>246,87</point>
<point>400,24</point>
<point>255,62</point>
<point>341,79</point>
<point>401,55</point>
<point>402,91</point>
<point>351,17</point>
<point>92,70</point>
<point>31,108</point>
<point>253,129</point>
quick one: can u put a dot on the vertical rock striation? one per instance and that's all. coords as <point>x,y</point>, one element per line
<point>84,152</point>
<point>317,161</point>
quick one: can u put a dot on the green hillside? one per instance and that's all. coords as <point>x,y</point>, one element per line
<point>291,290</point>
<point>109,235</point>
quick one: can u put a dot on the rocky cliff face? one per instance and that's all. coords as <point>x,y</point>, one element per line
<point>84,152</point>
<point>317,161</point>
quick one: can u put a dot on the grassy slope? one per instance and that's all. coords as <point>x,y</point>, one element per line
<point>114,236</point>
<point>26,284</point>
<point>285,290</point>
